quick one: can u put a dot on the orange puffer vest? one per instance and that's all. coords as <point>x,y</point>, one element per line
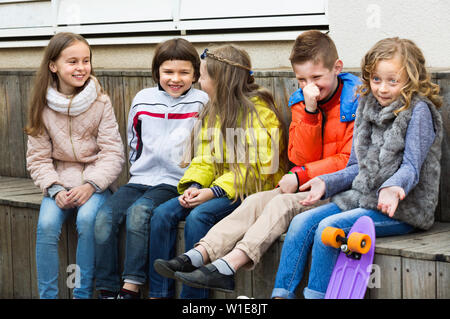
<point>321,143</point>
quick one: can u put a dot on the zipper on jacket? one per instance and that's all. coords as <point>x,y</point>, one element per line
<point>71,140</point>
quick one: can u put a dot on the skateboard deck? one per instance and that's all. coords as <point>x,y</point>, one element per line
<point>352,270</point>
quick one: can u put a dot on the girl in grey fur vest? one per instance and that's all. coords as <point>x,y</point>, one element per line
<point>393,172</point>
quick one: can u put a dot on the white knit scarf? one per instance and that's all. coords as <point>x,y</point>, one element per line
<point>74,105</point>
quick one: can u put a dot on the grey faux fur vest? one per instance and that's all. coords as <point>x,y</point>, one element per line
<point>379,146</point>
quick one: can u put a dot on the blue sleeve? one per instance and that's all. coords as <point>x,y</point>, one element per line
<point>418,140</point>
<point>341,180</point>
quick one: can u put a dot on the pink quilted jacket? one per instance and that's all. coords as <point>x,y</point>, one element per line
<point>76,149</point>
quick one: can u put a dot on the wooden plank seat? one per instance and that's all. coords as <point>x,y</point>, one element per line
<point>411,266</point>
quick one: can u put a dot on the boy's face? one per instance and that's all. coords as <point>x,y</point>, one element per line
<point>176,76</point>
<point>310,73</point>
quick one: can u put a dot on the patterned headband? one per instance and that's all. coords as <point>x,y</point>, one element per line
<point>220,59</point>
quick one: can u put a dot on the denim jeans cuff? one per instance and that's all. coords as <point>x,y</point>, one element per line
<point>313,294</point>
<point>168,294</point>
<point>134,278</point>
<point>81,294</point>
<point>134,281</point>
<point>282,293</point>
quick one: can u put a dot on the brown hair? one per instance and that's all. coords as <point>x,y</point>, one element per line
<point>413,61</point>
<point>314,46</point>
<point>45,78</point>
<point>175,49</point>
<point>231,105</point>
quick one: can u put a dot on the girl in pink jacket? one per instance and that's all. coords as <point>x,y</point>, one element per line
<point>74,154</point>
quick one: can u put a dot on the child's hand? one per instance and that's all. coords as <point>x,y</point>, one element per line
<point>205,194</point>
<point>317,189</point>
<point>62,202</point>
<point>388,199</point>
<point>288,183</point>
<point>188,194</point>
<point>182,201</point>
<point>311,93</point>
<point>191,192</point>
<point>80,194</point>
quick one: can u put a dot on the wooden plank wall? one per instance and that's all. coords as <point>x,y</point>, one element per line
<point>121,86</point>
<point>401,269</point>
<point>420,259</point>
<point>15,87</point>
<point>18,261</point>
<point>443,209</point>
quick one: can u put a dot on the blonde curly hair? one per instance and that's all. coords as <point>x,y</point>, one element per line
<point>413,62</point>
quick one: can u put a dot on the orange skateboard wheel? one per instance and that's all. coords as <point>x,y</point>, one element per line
<point>330,237</point>
<point>359,243</point>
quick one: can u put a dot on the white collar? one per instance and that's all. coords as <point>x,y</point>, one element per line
<point>74,105</point>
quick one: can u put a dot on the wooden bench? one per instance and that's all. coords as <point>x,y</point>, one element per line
<point>411,266</point>
<point>416,265</point>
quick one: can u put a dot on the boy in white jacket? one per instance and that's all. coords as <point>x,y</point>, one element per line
<point>160,120</point>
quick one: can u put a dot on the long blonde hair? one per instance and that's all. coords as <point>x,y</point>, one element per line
<point>413,61</point>
<point>45,78</point>
<point>231,105</point>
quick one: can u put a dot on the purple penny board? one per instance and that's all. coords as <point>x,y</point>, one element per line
<point>350,276</point>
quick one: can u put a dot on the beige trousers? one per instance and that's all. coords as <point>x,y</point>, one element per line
<point>255,225</point>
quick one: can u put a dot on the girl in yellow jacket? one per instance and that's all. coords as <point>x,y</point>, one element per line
<point>236,146</point>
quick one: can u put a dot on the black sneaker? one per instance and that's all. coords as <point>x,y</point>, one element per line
<point>207,277</point>
<point>167,268</point>
<point>107,294</point>
<point>127,294</point>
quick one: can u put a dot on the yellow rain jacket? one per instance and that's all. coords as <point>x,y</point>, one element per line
<point>265,145</point>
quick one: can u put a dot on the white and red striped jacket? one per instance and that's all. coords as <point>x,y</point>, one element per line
<point>158,126</point>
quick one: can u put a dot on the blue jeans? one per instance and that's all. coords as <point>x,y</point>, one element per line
<point>305,231</point>
<point>51,219</point>
<point>163,235</point>
<point>135,203</point>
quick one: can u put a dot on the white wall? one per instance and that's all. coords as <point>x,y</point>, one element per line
<point>355,25</point>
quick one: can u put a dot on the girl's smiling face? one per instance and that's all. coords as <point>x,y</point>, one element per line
<point>387,80</point>
<point>176,76</point>
<point>73,67</point>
